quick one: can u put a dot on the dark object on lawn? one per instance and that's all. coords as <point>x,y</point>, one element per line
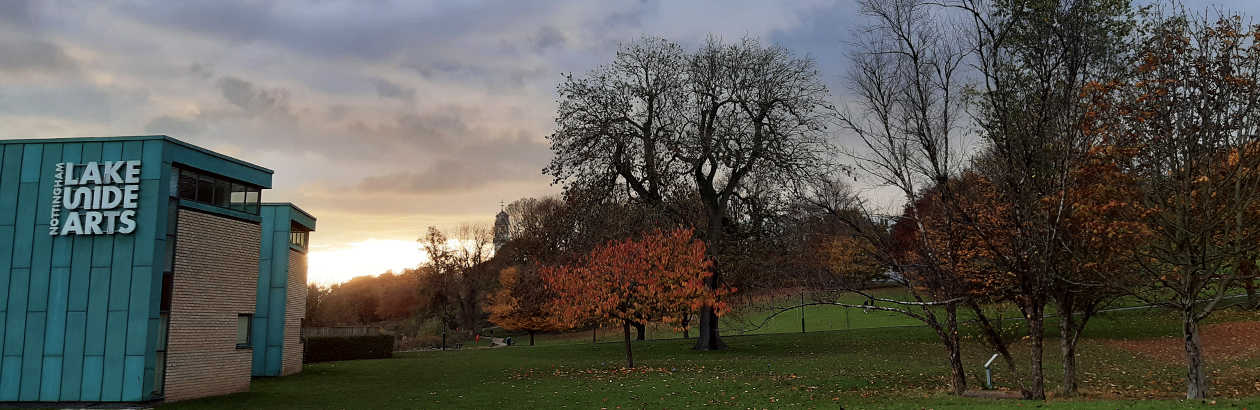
<point>508,340</point>
<point>335,348</point>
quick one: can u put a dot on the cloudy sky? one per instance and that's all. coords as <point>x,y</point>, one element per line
<point>379,117</point>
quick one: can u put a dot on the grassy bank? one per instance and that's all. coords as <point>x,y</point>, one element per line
<point>859,368</point>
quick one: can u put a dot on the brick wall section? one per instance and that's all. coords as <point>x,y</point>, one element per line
<point>294,311</point>
<point>216,275</point>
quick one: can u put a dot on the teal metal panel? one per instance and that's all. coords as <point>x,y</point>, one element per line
<point>10,369</point>
<point>217,164</point>
<point>15,320</point>
<point>93,371</point>
<point>275,364</point>
<point>115,340</point>
<point>97,312</point>
<point>153,155</point>
<point>10,175</point>
<point>80,272</point>
<point>112,151</point>
<point>275,329</point>
<point>41,251</point>
<point>133,387</point>
<point>120,276</point>
<point>50,386</point>
<point>24,233</point>
<point>138,310</point>
<point>58,290</point>
<point>102,251</point>
<point>62,250</point>
<point>152,212</point>
<point>72,362</point>
<point>32,154</point>
<point>91,152</point>
<point>6,243</point>
<point>72,152</point>
<point>32,364</point>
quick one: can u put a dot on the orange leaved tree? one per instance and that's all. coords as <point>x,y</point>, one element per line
<point>522,303</point>
<point>659,277</point>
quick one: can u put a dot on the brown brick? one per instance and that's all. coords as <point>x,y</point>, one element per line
<point>295,310</point>
<point>215,280</point>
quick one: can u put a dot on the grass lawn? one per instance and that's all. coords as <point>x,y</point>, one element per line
<point>852,369</point>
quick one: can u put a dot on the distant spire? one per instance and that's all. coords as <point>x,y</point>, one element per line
<point>500,205</point>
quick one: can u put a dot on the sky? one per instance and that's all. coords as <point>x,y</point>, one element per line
<point>380,118</point>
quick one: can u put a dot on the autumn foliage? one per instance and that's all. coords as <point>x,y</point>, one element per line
<point>657,278</point>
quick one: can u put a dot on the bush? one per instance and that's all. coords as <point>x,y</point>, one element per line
<point>329,349</point>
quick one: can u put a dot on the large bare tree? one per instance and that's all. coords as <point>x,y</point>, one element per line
<point>667,127</point>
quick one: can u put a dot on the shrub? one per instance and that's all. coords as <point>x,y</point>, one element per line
<point>329,349</point>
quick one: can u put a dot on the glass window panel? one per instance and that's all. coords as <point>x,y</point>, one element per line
<point>159,375</point>
<point>174,182</point>
<point>242,329</point>
<point>238,197</point>
<point>172,217</point>
<point>167,288</point>
<point>187,185</point>
<point>170,255</point>
<point>164,323</point>
<point>222,190</point>
<point>251,201</point>
<point>205,189</point>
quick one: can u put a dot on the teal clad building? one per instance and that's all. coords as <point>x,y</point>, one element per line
<point>140,269</point>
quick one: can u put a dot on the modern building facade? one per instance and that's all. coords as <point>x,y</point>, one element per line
<point>132,270</point>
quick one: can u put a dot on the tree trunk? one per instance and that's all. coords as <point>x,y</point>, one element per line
<point>625,324</point>
<point>958,384</point>
<point>1037,334</point>
<point>995,341</point>
<point>641,329</point>
<point>531,337</point>
<point>709,339</point>
<point>1067,341</point>
<point>1196,376</point>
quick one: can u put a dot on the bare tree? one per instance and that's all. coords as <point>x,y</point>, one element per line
<point>907,79</point>
<point>663,127</point>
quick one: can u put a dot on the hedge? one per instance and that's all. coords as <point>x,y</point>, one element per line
<point>334,348</point>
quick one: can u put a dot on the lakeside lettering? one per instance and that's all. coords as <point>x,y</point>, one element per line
<point>100,200</point>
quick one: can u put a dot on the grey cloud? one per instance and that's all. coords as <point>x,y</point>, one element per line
<point>30,55</point>
<point>17,12</point>
<point>254,100</point>
<point>469,168</point>
<point>174,126</point>
<point>548,37</point>
<point>387,89</point>
<point>82,103</point>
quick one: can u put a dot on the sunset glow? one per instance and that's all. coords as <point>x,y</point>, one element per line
<point>371,257</point>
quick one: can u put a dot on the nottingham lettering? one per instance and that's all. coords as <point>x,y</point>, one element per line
<point>101,198</point>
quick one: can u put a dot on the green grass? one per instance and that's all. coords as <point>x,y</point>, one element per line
<point>857,369</point>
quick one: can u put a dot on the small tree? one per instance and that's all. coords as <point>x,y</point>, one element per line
<point>654,278</point>
<point>522,303</point>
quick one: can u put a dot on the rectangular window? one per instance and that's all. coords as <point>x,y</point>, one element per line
<point>238,198</point>
<point>214,190</point>
<point>187,184</point>
<point>243,324</point>
<point>159,374</point>
<point>222,191</point>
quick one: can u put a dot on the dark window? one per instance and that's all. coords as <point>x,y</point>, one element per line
<point>222,192</point>
<point>187,185</point>
<point>217,191</point>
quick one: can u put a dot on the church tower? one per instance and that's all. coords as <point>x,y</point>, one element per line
<point>501,228</point>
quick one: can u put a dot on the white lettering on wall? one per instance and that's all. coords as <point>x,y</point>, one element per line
<point>94,193</point>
